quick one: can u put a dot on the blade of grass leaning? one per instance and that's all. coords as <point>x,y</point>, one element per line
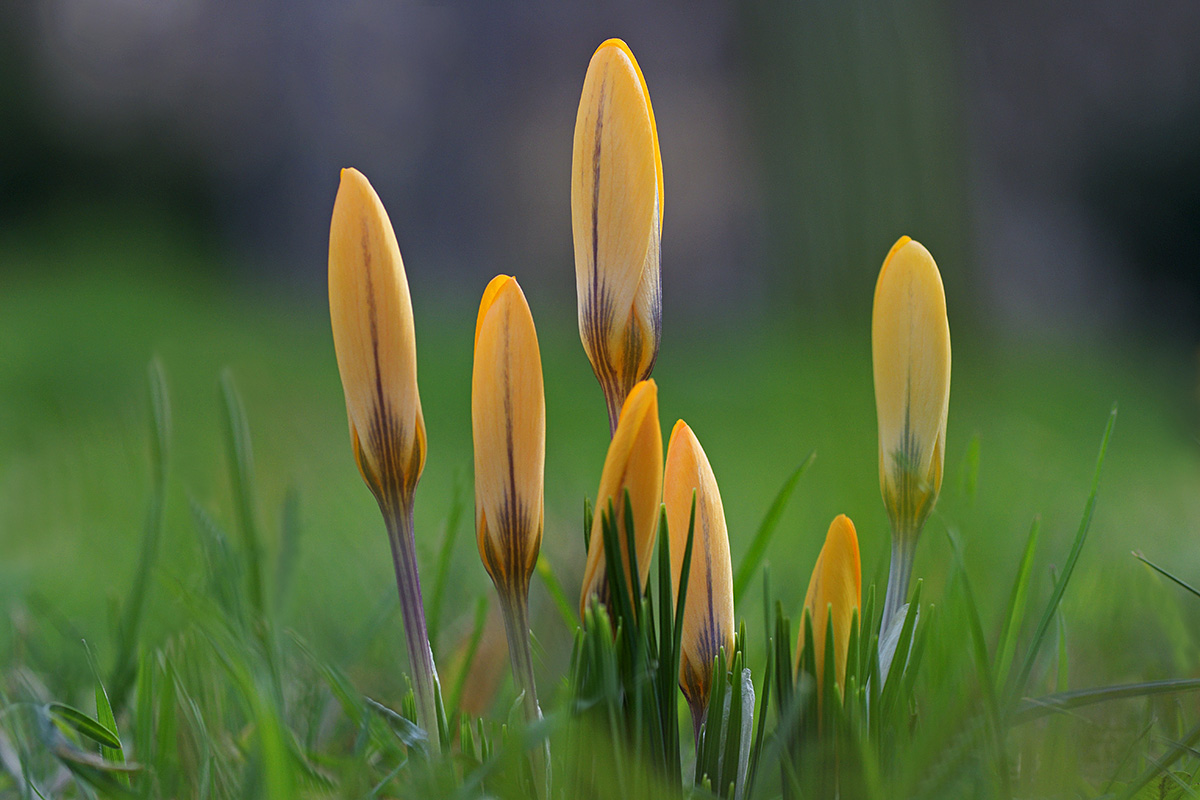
<point>984,666</point>
<point>442,572</point>
<point>1160,766</point>
<point>1177,580</point>
<point>122,675</point>
<point>1016,607</point>
<point>1033,708</point>
<point>104,714</point>
<point>83,724</point>
<point>1060,586</point>
<point>481,609</point>
<point>762,537</point>
<point>241,468</point>
<point>568,613</point>
<point>289,544</point>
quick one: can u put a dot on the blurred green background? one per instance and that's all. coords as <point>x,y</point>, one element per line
<point>166,176</point>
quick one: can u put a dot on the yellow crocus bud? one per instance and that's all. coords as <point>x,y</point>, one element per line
<point>835,586</point>
<point>910,343</point>
<point>508,423</point>
<point>508,420</point>
<point>634,464</point>
<point>708,621</point>
<point>371,312</point>
<point>616,216</point>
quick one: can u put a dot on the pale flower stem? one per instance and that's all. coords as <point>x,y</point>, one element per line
<point>515,608</point>
<point>408,583</point>
<point>903,550</point>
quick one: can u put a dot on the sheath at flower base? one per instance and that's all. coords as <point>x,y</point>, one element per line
<point>616,218</point>
<point>834,590</point>
<point>634,464</point>
<point>371,315</point>
<point>910,343</point>
<point>508,425</point>
<point>708,618</point>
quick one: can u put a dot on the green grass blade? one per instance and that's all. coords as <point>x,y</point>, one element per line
<point>104,715</point>
<point>1034,708</point>
<point>241,468</point>
<point>762,537</point>
<point>1177,580</point>
<point>442,574</point>
<point>289,544</point>
<point>984,666</point>
<point>124,668</point>
<point>1016,607</point>
<point>1060,586</point>
<point>554,587</point>
<point>84,724</point>
<point>1159,766</point>
<point>481,609</point>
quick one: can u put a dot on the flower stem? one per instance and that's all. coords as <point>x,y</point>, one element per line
<point>515,608</point>
<point>425,679</point>
<point>903,551</point>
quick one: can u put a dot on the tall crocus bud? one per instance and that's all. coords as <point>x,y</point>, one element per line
<point>616,216</point>
<point>910,343</point>
<point>371,313</point>
<point>635,465</point>
<point>708,622</point>
<point>834,591</point>
<point>508,422</point>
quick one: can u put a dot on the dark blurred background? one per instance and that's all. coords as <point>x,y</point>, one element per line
<point>1047,154</point>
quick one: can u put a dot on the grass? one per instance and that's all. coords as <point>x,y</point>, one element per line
<point>80,323</point>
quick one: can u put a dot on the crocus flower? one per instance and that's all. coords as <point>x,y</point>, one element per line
<point>910,343</point>
<point>508,423</point>
<point>634,464</point>
<point>508,420</point>
<point>708,621</point>
<point>834,591</point>
<point>616,217</point>
<point>371,313</point>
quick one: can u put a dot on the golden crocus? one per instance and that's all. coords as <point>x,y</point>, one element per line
<point>634,464</point>
<point>371,314</point>
<point>834,590</point>
<point>508,421</point>
<point>708,620</point>
<point>616,217</point>
<point>910,343</point>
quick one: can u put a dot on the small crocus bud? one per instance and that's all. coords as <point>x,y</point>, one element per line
<point>834,591</point>
<point>508,420</point>
<point>508,423</point>
<point>634,464</point>
<point>371,314</point>
<point>616,216</point>
<point>708,621</point>
<point>910,343</point>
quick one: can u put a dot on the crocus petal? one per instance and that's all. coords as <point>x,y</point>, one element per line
<point>371,314</point>
<point>634,464</point>
<point>708,616</point>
